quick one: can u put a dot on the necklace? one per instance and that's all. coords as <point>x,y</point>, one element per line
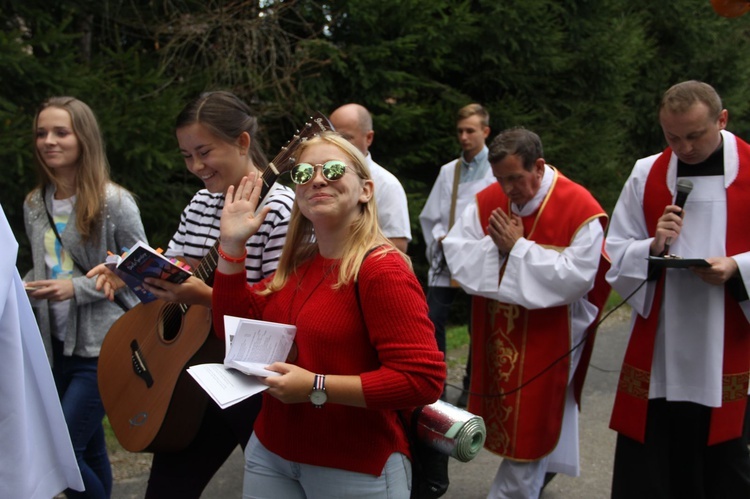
<point>299,285</point>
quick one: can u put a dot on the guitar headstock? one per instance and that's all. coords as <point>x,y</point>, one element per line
<point>285,160</point>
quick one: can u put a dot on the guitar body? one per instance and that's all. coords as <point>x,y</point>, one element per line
<point>151,401</point>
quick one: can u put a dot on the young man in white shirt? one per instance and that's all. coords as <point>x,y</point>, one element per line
<point>455,187</point>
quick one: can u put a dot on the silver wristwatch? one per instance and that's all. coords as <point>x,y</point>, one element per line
<point>318,395</point>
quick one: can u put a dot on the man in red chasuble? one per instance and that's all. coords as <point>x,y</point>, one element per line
<point>529,251</point>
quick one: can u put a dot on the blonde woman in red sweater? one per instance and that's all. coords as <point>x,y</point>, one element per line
<point>328,426</point>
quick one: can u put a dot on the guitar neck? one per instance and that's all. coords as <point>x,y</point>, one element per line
<point>283,162</point>
<point>208,263</point>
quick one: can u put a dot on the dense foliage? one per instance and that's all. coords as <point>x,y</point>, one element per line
<point>585,74</point>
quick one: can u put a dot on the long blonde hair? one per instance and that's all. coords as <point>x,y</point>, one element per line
<point>92,173</point>
<point>364,235</point>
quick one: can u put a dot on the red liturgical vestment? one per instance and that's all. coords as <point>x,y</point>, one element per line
<point>513,345</point>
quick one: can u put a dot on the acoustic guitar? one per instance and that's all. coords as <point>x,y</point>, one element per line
<point>152,403</point>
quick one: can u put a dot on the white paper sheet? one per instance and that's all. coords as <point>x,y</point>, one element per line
<point>251,345</point>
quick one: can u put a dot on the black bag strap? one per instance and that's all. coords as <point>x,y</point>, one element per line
<point>356,282</point>
<point>59,240</point>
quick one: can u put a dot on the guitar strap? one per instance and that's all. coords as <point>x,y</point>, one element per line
<point>454,199</point>
<point>454,193</point>
<point>59,240</point>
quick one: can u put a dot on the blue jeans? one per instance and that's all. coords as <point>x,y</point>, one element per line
<point>76,381</point>
<point>269,476</point>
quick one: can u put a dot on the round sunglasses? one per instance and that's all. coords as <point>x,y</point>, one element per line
<point>332,170</point>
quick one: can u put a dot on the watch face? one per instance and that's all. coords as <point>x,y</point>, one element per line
<point>318,397</point>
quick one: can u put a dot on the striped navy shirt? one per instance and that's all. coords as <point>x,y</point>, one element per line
<point>199,229</point>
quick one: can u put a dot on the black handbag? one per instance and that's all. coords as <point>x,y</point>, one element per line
<point>429,467</point>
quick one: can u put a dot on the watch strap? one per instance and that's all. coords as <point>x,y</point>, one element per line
<point>320,382</point>
<point>318,394</point>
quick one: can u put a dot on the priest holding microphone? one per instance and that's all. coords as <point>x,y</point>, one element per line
<point>681,402</point>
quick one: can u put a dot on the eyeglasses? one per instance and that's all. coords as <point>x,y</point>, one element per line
<point>332,170</point>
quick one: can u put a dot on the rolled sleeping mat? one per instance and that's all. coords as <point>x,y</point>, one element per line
<point>450,430</point>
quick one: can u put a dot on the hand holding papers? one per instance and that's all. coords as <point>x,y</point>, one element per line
<point>257,344</point>
<point>251,345</point>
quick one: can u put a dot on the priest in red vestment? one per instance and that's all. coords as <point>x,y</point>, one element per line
<point>529,251</point>
<point>681,401</point>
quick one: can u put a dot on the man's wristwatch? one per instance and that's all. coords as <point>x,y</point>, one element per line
<point>318,395</point>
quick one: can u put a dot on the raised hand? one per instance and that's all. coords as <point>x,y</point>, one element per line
<point>238,218</point>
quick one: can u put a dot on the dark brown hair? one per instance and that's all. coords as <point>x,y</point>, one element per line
<point>226,116</point>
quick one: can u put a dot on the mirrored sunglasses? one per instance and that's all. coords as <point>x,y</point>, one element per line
<point>332,170</point>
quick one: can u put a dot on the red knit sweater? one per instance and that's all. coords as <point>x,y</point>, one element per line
<point>395,355</point>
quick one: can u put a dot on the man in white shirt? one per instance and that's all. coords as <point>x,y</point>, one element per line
<point>681,402</point>
<point>528,250</point>
<point>455,187</point>
<point>354,123</point>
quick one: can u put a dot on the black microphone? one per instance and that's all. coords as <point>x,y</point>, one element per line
<point>684,186</point>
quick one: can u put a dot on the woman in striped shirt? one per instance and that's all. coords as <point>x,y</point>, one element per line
<point>217,138</point>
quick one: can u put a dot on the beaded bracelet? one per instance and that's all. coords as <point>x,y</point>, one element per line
<point>232,259</point>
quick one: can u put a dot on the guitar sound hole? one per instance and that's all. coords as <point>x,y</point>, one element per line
<point>171,324</point>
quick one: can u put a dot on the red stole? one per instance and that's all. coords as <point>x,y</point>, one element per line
<point>512,344</point>
<point>631,401</point>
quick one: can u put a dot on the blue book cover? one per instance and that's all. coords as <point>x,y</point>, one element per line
<point>143,261</point>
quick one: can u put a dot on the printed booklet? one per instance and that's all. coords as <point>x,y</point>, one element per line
<point>143,261</point>
<point>251,345</point>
